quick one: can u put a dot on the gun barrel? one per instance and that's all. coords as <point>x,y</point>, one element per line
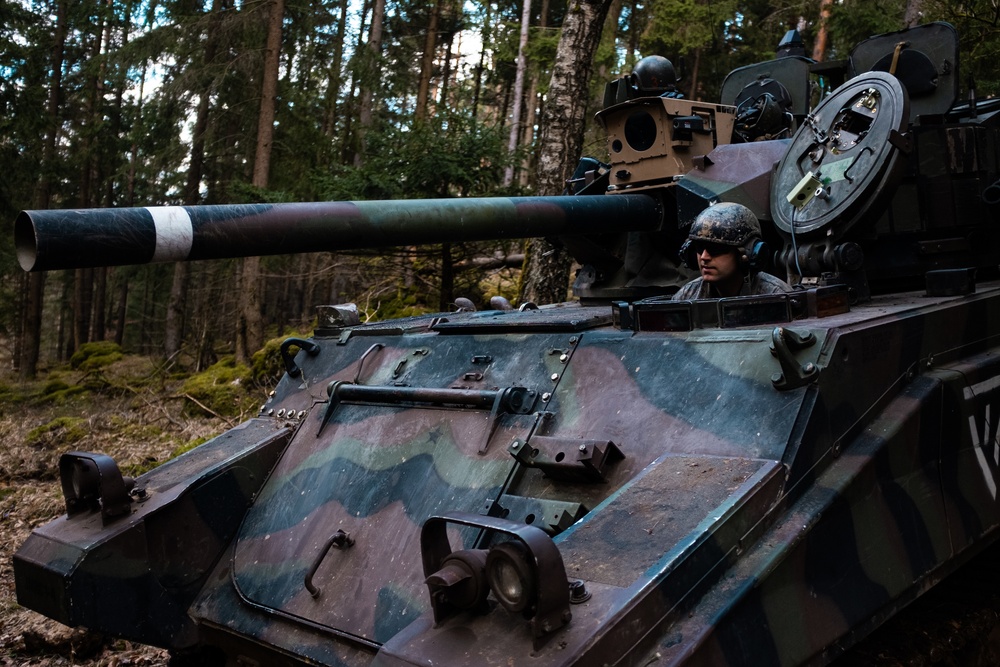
<point>67,239</point>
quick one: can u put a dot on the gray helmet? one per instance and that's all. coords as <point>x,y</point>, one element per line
<point>728,224</point>
<point>653,75</point>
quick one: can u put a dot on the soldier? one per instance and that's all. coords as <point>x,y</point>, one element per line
<point>725,245</point>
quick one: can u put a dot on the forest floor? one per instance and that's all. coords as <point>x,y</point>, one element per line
<point>137,414</point>
<point>138,417</point>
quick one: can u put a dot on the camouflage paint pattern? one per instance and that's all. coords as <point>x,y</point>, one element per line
<point>798,517</point>
<point>760,526</point>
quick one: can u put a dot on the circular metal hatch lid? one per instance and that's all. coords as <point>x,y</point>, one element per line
<point>843,163</point>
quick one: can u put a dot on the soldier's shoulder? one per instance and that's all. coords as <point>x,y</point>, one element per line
<point>692,290</point>
<point>768,284</point>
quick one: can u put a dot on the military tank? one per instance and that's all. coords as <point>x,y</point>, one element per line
<point>621,480</point>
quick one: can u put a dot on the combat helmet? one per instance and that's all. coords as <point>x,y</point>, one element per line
<point>653,75</point>
<point>730,224</point>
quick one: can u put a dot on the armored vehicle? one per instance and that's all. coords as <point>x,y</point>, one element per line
<point>621,480</point>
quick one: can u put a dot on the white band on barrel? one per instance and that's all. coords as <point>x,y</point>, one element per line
<point>174,233</point>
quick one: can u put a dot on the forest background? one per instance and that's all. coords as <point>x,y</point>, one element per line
<point>164,102</point>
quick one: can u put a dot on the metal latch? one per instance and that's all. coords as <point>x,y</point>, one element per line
<point>567,459</point>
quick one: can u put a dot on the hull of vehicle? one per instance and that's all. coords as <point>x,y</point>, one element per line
<point>743,524</point>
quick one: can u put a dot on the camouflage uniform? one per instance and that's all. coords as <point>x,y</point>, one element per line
<point>755,283</point>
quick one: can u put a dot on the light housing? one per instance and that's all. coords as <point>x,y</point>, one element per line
<point>528,575</point>
<point>461,582</point>
<point>93,482</point>
<point>511,577</point>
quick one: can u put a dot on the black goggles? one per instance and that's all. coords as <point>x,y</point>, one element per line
<point>713,249</point>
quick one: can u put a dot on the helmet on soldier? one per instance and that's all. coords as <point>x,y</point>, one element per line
<point>727,224</point>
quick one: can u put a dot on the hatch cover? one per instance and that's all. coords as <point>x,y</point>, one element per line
<point>333,539</point>
<point>844,161</point>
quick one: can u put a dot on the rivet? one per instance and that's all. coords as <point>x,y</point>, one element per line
<point>555,376</point>
<point>564,358</point>
<point>270,412</point>
<point>281,413</point>
<point>546,396</point>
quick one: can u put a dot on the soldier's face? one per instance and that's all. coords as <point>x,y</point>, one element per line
<point>718,263</point>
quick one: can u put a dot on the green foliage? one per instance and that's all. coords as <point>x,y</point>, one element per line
<point>59,433</point>
<point>855,20</point>
<point>978,26</point>
<point>92,356</point>
<point>461,157</point>
<point>685,25</point>
<point>220,390</point>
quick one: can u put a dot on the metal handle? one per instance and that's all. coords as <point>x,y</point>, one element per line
<point>311,348</point>
<point>341,540</point>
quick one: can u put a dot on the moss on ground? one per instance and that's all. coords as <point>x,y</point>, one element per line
<point>92,356</point>
<point>58,433</point>
<point>221,389</point>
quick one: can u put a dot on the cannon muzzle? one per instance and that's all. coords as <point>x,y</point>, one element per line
<point>67,239</point>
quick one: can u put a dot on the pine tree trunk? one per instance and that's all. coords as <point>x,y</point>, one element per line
<point>31,322</point>
<point>374,48</point>
<point>250,327</point>
<point>447,278</point>
<point>522,66</point>
<point>560,141</point>
<point>635,32</point>
<point>173,334</point>
<point>352,140</point>
<point>822,32</point>
<point>334,77</point>
<point>122,313</point>
<point>83,279</point>
<point>443,101</point>
<point>83,303</point>
<point>427,64</point>
<point>481,66</point>
<point>31,325</point>
<point>531,113</point>
<point>693,91</point>
<point>100,303</point>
